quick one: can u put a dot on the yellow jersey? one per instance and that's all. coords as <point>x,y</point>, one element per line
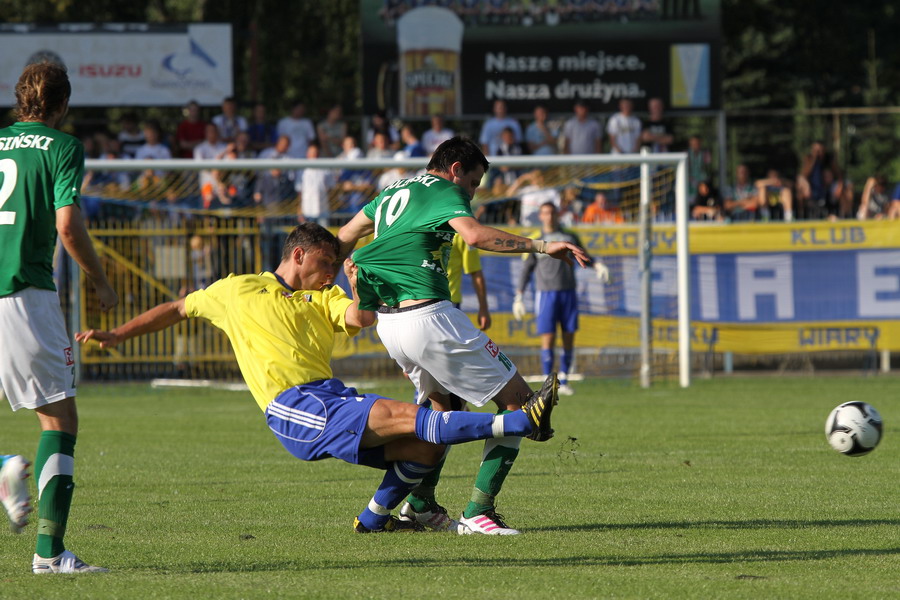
<point>463,259</point>
<point>281,338</point>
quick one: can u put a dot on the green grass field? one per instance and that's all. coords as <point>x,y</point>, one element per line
<point>727,489</point>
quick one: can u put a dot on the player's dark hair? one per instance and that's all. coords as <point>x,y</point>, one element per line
<point>42,89</point>
<point>550,204</point>
<point>457,149</point>
<point>308,236</point>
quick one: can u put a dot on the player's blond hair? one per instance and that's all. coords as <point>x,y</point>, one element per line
<point>43,89</point>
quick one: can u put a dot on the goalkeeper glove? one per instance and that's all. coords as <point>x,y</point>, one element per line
<point>518,307</point>
<point>602,271</point>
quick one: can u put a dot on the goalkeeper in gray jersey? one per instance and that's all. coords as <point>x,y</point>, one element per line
<point>556,301</point>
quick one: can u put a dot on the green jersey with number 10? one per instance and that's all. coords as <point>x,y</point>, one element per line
<point>40,171</point>
<point>407,260</point>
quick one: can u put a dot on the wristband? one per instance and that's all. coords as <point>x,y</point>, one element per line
<point>539,246</point>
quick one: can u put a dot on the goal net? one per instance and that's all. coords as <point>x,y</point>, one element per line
<point>164,228</point>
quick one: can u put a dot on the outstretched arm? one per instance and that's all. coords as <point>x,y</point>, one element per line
<point>359,227</point>
<point>488,238</point>
<point>156,319</point>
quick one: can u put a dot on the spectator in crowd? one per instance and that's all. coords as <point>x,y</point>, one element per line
<point>279,150</point>
<point>381,124</point>
<point>240,184</point>
<point>582,132</point>
<point>314,187</point>
<point>500,178</point>
<point>599,211</point>
<point>332,132</point>
<point>876,203</point>
<point>191,131</point>
<point>568,211</point>
<point>229,122</point>
<point>152,148</point>
<point>380,147</point>
<point>741,200</point>
<point>130,135</point>
<point>210,149</point>
<point>539,135</point>
<point>699,164</point>
<point>261,132</point>
<point>272,189</point>
<point>438,133</point>
<point>349,149</point>
<point>355,185</point>
<point>533,192</point>
<point>298,128</point>
<point>707,203</point>
<point>212,146</point>
<point>776,200</point>
<point>108,148</point>
<point>624,129</point>
<point>412,147</point>
<point>657,135</point>
<point>815,198</point>
<point>492,129</point>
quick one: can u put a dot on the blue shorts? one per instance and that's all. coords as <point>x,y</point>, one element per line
<point>560,307</point>
<point>324,419</point>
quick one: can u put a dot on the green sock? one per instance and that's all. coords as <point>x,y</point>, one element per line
<point>53,470</point>
<point>423,494</point>
<point>499,455</point>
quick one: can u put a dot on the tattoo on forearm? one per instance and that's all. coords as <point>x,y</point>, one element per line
<point>509,243</point>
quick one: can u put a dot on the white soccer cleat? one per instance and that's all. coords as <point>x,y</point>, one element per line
<point>434,518</point>
<point>14,491</point>
<point>565,390</point>
<point>489,523</point>
<point>64,563</point>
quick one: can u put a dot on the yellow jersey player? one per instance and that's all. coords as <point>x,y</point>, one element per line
<point>281,325</point>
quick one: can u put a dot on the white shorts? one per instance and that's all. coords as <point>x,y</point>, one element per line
<point>37,364</point>
<point>442,351</point>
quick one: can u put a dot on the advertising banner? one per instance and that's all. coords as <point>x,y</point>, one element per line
<point>422,58</point>
<point>125,64</point>
<point>755,288</point>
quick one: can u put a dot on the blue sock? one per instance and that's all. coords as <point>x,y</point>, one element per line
<point>399,480</point>
<point>565,364</point>
<point>547,361</point>
<point>457,426</point>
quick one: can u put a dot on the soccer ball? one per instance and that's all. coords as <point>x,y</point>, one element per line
<point>853,428</point>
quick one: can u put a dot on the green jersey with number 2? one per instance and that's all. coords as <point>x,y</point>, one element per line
<point>40,171</point>
<point>407,260</point>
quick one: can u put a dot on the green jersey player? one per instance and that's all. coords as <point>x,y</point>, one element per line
<point>402,275</point>
<point>40,177</point>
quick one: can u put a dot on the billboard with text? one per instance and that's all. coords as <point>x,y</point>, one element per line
<point>125,64</point>
<point>422,57</point>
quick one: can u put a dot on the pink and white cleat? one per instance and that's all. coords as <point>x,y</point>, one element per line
<point>489,523</point>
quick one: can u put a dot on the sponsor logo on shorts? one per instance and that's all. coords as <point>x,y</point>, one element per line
<point>70,358</point>
<point>493,348</point>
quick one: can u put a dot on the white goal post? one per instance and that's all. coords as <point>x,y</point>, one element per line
<point>645,161</point>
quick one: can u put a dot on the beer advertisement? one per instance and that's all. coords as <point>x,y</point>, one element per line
<point>456,57</point>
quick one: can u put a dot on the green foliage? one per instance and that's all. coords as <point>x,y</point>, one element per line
<point>723,490</point>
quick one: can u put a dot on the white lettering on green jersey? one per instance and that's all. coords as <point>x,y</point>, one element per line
<point>40,171</point>
<point>407,260</point>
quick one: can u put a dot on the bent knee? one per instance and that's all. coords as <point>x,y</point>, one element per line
<point>432,453</point>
